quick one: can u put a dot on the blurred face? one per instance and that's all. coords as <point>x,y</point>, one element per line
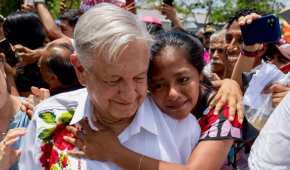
<point>174,83</point>
<point>117,89</point>
<point>49,77</point>
<point>217,55</point>
<point>206,39</point>
<point>233,42</point>
<point>66,28</point>
<point>3,85</point>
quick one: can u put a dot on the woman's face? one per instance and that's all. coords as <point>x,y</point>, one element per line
<point>174,82</point>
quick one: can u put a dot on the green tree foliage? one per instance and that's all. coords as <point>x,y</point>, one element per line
<point>219,11</point>
<point>227,8</point>
<point>54,5</point>
<point>8,6</point>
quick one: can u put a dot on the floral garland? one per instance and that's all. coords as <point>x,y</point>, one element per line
<point>54,147</point>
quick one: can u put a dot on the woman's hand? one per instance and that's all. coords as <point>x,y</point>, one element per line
<point>229,93</point>
<point>99,145</point>
<point>8,155</point>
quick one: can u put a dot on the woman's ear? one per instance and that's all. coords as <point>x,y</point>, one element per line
<point>79,69</point>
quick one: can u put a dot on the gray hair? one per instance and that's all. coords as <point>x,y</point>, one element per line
<point>218,36</point>
<point>105,31</point>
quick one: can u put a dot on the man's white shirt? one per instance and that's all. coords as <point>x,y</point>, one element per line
<point>271,149</point>
<point>151,133</point>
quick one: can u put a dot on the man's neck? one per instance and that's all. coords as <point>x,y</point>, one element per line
<point>104,120</point>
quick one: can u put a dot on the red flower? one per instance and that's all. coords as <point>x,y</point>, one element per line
<point>58,140</point>
<point>49,156</point>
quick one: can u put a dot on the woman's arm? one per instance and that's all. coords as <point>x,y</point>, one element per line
<point>106,142</point>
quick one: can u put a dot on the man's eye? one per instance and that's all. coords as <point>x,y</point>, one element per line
<point>112,82</point>
<point>140,79</point>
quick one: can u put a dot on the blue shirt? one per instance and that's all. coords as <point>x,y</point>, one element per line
<point>20,120</point>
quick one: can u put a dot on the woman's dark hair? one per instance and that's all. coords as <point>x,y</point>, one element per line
<point>182,40</point>
<point>195,50</point>
<point>71,15</point>
<point>24,28</point>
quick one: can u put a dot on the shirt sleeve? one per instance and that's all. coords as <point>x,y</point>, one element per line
<point>29,149</point>
<point>218,127</point>
<point>271,148</point>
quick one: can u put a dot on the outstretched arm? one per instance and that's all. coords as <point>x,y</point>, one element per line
<point>51,28</point>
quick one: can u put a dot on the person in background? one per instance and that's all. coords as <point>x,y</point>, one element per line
<point>208,31</point>
<point>12,123</point>
<point>17,29</point>
<point>68,20</point>
<point>218,67</point>
<point>56,69</point>
<point>234,37</point>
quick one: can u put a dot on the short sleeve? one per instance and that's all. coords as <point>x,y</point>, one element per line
<point>218,127</point>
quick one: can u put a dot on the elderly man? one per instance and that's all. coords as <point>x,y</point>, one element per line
<point>218,68</point>
<point>106,62</point>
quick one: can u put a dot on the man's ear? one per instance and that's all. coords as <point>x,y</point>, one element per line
<point>79,69</point>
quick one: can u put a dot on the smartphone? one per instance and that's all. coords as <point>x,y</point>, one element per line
<point>168,2</point>
<point>263,30</point>
<point>5,48</point>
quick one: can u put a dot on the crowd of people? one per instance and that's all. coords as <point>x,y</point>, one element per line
<point>102,88</point>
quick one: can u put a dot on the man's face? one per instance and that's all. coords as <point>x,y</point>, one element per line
<point>66,29</point>
<point>118,88</point>
<point>217,55</point>
<point>233,42</point>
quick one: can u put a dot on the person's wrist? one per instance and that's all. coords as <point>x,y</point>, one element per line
<point>251,50</point>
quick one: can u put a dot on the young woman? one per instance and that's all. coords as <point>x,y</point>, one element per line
<point>174,84</point>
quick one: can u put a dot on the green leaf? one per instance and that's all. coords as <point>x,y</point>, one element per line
<point>66,117</point>
<point>45,135</point>
<point>48,117</point>
<point>55,167</point>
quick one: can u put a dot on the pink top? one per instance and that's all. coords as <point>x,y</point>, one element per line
<point>206,57</point>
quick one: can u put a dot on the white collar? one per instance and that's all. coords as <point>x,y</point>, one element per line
<point>144,117</point>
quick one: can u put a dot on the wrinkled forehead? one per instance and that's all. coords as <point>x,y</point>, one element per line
<point>217,44</point>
